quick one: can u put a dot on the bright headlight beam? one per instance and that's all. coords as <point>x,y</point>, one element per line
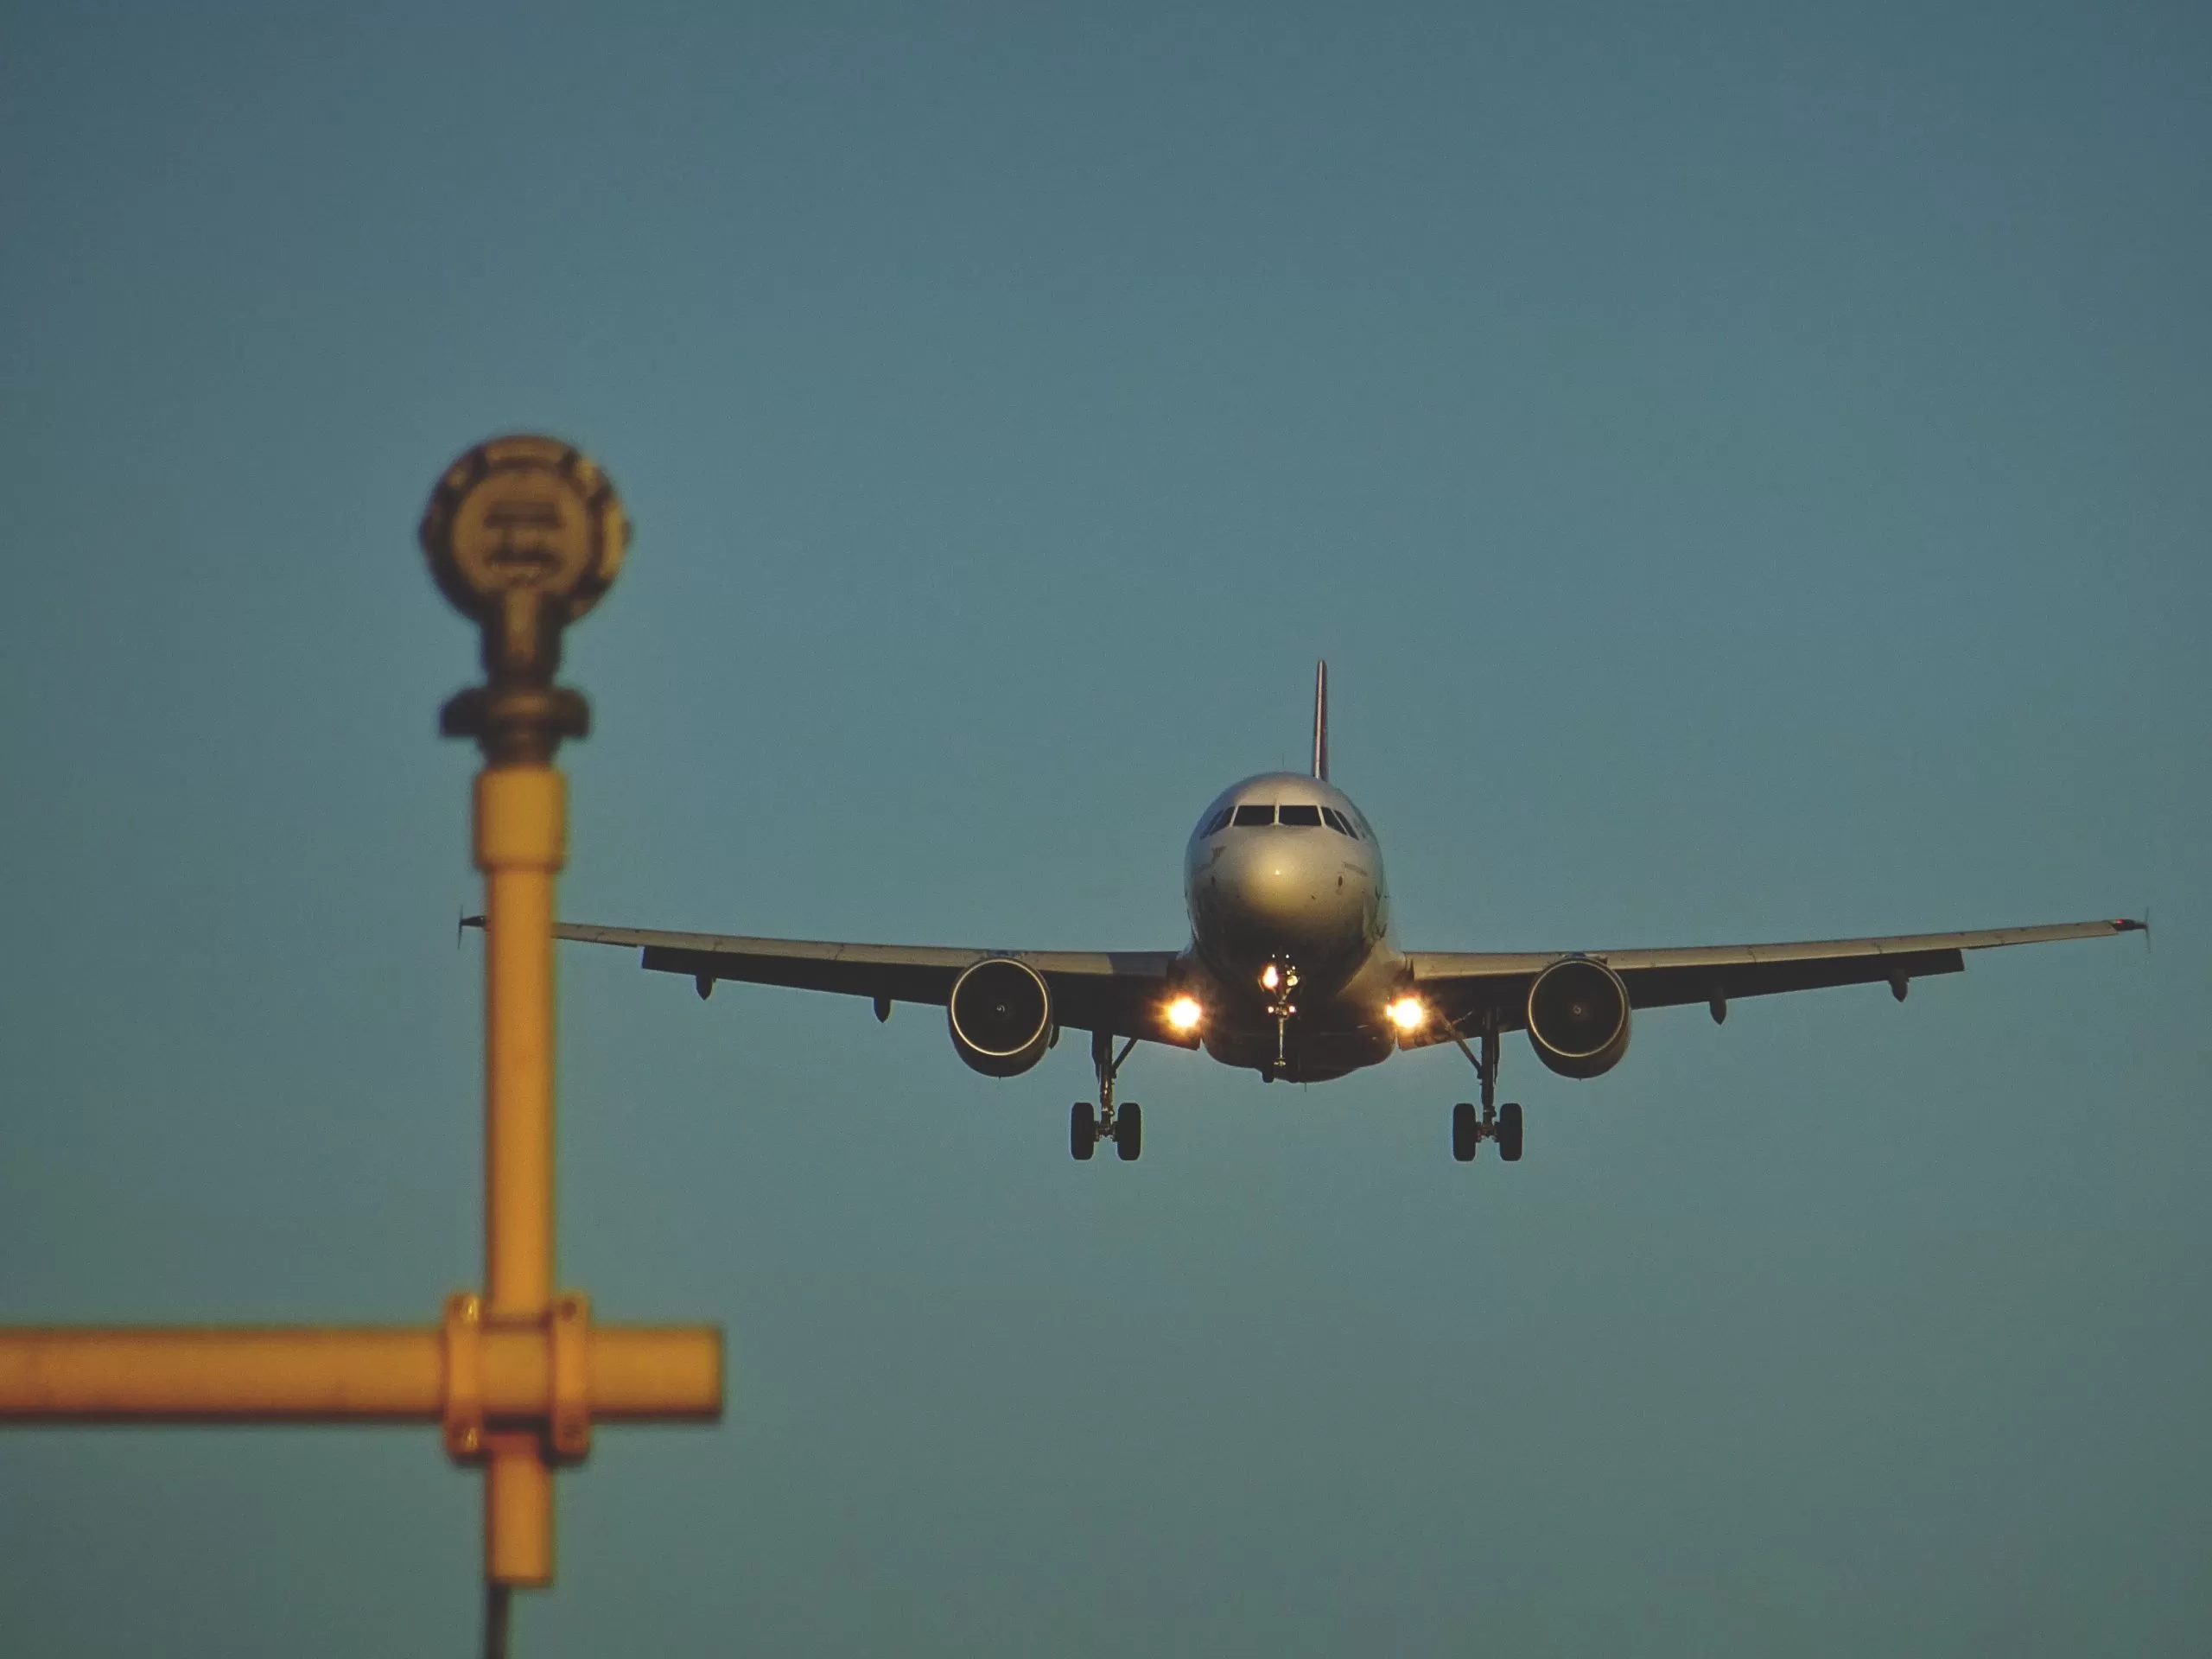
<point>1184,1013</point>
<point>1408,1013</point>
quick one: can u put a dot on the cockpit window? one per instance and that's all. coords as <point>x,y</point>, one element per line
<point>1339,822</point>
<point>1308,817</point>
<point>1215,825</point>
<point>1249,815</point>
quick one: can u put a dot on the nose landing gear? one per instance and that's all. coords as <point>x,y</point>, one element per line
<point>1087,1125</point>
<point>1495,1122</point>
<point>1279,980</point>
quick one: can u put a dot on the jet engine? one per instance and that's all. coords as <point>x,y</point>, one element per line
<point>1001,1015</point>
<point>1578,1017</point>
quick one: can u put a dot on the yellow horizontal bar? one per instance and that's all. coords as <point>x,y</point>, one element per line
<point>305,1374</point>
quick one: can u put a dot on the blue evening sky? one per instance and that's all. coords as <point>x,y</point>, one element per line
<point>1746,465</point>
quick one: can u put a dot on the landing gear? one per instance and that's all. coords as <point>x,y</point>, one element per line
<point>1494,1123</point>
<point>1089,1125</point>
<point>1279,979</point>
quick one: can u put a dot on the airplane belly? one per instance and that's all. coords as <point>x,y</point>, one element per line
<point>1325,1042</point>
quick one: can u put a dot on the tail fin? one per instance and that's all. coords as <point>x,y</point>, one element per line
<point>1321,720</point>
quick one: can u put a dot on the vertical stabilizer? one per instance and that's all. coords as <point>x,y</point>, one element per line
<point>1321,720</point>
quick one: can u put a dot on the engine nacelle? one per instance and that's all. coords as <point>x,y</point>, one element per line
<point>1001,1015</point>
<point>1578,1017</point>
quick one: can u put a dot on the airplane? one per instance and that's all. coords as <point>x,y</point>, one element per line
<point>1292,971</point>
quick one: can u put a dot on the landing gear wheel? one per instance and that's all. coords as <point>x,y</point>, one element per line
<point>1508,1131</point>
<point>1128,1132</point>
<point>1466,1133</point>
<point>1083,1130</point>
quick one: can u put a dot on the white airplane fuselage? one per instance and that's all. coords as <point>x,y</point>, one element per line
<point>1301,893</point>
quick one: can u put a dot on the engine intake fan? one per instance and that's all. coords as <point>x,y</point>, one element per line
<point>1001,1015</point>
<point>1579,1018</point>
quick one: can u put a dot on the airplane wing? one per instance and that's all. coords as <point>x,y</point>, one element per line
<point>1118,991</point>
<point>1464,987</point>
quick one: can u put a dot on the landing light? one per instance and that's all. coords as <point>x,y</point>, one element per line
<point>1270,977</point>
<point>1407,1013</point>
<point>1184,1013</point>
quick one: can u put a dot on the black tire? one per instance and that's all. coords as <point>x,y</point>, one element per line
<point>1128,1132</point>
<point>1466,1133</point>
<point>1509,1133</point>
<point>1083,1130</point>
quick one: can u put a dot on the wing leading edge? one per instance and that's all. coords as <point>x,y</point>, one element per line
<point>1116,991</point>
<point>1466,985</point>
<point>1124,992</point>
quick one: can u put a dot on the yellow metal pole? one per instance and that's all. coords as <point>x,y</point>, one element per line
<point>520,844</point>
<point>521,839</point>
<point>524,535</point>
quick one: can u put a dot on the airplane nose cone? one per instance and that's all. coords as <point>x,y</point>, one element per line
<point>1276,886</point>
<point>1278,891</point>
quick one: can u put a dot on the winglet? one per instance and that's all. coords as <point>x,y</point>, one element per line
<point>1321,720</point>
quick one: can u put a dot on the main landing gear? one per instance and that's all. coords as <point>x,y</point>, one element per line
<point>1496,1122</point>
<point>1124,1125</point>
